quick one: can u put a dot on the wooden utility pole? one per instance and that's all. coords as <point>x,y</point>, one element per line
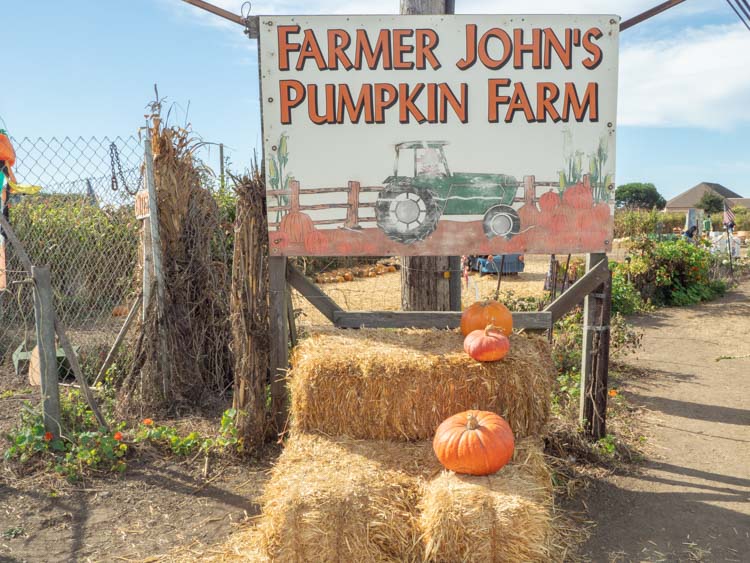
<point>430,283</point>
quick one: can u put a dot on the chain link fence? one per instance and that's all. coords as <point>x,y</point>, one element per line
<point>82,224</point>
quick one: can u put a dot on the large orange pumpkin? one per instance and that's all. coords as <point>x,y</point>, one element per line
<point>488,345</point>
<point>483,313</point>
<point>474,442</point>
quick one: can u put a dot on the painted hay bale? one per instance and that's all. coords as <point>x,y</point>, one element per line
<point>343,500</point>
<point>502,517</point>
<point>401,384</point>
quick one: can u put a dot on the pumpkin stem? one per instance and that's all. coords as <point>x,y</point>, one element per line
<point>471,422</point>
<point>490,327</point>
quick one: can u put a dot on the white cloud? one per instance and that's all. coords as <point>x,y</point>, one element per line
<point>692,77</point>
<point>696,79</point>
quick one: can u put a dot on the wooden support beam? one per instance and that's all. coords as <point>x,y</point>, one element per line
<point>312,293</point>
<point>279,357</point>
<point>650,13</point>
<point>76,367</point>
<point>429,319</point>
<point>593,312</point>
<point>250,23</point>
<point>595,275</point>
<point>44,315</point>
<point>596,402</point>
<point>156,256</point>
<point>118,340</point>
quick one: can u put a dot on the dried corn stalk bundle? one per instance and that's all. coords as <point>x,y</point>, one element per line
<point>249,308</point>
<point>195,330</point>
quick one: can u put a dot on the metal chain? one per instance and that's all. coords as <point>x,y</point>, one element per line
<point>114,157</point>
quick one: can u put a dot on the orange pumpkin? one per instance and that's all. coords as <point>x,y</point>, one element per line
<point>483,313</point>
<point>474,442</point>
<point>488,345</point>
<point>348,276</point>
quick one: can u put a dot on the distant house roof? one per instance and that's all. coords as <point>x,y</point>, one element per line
<point>739,202</point>
<point>691,197</point>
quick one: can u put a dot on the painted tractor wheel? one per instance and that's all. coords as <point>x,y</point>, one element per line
<point>501,221</point>
<point>406,214</point>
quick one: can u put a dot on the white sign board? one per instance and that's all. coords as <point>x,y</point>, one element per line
<point>439,135</point>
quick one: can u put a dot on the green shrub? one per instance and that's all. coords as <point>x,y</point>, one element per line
<point>673,272</point>
<point>92,251</point>
<point>638,222</point>
<point>626,299</point>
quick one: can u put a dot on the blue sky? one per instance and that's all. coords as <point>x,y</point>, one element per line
<point>87,68</point>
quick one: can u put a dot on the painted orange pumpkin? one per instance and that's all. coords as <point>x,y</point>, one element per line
<point>483,313</point>
<point>296,225</point>
<point>315,242</point>
<point>474,442</point>
<point>487,345</point>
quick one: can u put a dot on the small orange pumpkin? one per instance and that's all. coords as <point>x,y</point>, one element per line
<point>483,313</point>
<point>488,345</point>
<point>474,442</point>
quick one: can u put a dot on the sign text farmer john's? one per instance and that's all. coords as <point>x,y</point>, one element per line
<point>439,134</point>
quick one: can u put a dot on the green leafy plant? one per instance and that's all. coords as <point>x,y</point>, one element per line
<point>81,449</point>
<point>193,442</point>
<point>675,272</point>
<point>607,445</point>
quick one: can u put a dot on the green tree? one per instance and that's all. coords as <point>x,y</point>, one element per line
<point>639,195</point>
<point>711,203</point>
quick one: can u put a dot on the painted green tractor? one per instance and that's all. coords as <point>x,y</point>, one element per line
<point>422,189</point>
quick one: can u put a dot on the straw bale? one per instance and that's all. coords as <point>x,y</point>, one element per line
<point>343,500</point>
<point>348,500</point>
<point>386,384</point>
<point>502,517</point>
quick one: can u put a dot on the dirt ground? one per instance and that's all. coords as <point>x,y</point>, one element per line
<point>690,500</point>
<point>160,502</point>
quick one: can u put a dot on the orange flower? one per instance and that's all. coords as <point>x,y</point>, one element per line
<point>48,436</point>
<point>118,436</point>
<point>613,392</point>
<point>148,422</point>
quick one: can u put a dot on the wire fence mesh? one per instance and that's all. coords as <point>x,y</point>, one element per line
<point>81,224</point>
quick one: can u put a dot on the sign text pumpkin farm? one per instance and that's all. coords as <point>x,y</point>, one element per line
<point>418,135</point>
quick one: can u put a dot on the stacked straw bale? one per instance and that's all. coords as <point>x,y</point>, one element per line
<point>358,480</point>
<point>401,384</point>
<point>361,500</point>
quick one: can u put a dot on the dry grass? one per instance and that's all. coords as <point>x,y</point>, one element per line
<point>383,293</point>
<point>347,500</point>
<point>400,384</point>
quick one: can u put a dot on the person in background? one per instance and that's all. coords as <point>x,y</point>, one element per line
<point>690,233</point>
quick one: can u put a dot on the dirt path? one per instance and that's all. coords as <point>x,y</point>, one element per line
<point>691,499</point>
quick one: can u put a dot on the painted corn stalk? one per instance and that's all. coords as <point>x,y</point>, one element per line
<point>278,176</point>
